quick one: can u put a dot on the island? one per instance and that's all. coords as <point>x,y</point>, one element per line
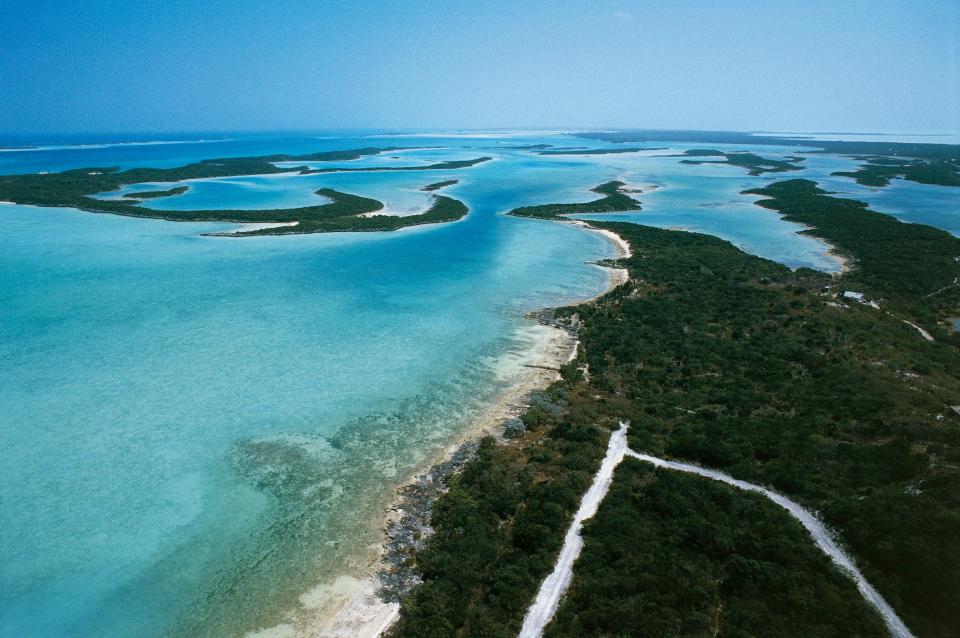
<point>834,390</point>
<point>438,185</point>
<point>528,147</point>
<point>614,199</point>
<point>356,214</point>
<point>755,164</point>
<point>598,151</point>
<point>919,162</point>
<point>878,171</point>
<point>76,189</point>
<point>439,166</point>
<point>179,190</point>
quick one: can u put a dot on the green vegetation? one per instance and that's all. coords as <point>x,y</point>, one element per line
<point>878,149</point>
<point>333,156</point>
<point>179,190</point>
<point>614,199</point>
<point>737,363</point>
<point>703,152</point>
<point>878,171</point>
<point>75,189</point>
<point>911,268</point>
<point>439,166</point>
<point>438,185</point>
<point>733,562</point>
<point>597,151</point>
<point>444,209</point>
<point>923,163</point>
<point>498,529</point>
<point>756,164</point>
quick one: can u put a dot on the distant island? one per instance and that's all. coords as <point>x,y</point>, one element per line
<point>598,151</point>
<point>756,164</point>
<point>75,189</point>
<point>937,164</point>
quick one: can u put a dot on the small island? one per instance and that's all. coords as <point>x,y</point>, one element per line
<point>528,147</point>
<point>598,151</point>
<point>755,164</point>
<point>438,185</point>
<point>614,200</point>
<point>354,214</point>
<point>179,190</point>
<point>439,166</point>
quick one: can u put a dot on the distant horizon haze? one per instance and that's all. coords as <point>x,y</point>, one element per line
<point>746,65</point>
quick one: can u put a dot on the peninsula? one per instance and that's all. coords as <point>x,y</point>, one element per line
<point>768,375</point>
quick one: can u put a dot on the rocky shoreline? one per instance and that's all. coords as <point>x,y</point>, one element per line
<point>408,526</point>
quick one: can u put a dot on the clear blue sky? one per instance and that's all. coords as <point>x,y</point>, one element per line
<point>132,65</point>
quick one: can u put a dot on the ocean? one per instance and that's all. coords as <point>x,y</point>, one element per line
<point>201,431</point>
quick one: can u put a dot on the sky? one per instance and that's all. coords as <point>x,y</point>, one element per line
<point>766,65</point>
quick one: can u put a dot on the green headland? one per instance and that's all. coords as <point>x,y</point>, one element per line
<point>737,363</point>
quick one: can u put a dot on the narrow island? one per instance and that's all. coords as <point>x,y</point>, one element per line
<point>528,147</point>
<point>355,214</point>
<point>598,151</point>
<point>614,200</point>
<point>755,164</point>
<point>345,212</point>
<point>735,363</point>
<point>438,185</point>
<point>439,166</point>
<point>179,190</point>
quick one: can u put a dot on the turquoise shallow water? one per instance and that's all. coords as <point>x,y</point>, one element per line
<point>199,429</point>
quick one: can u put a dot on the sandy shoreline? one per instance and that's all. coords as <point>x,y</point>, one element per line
<point>357,611</point>
<point>617,275</point>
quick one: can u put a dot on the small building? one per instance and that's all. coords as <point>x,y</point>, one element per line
<point>856,296</point>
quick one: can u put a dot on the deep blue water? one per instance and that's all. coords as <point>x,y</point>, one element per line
<point>199,429</point>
